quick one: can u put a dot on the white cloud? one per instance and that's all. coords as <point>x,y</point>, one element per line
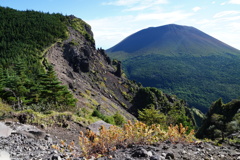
<point>234,26</point>
<point>122,2</point>
<point>195,9</point>
<point>135,2</point>
<point>203,21</point>
<point>234,1</point>
<point>229,38</point>
<point>225,13</point>
<point>136,5</point>
<point>168,17</point>
<point>111,30</point>
<point>222,4</point>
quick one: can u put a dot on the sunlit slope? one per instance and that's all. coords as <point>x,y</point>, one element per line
<point>181,60</point>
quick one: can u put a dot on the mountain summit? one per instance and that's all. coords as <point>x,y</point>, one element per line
<point>172,40</point>
<point>181,60</point>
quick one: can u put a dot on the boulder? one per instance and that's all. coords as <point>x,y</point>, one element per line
<point>97,125</point>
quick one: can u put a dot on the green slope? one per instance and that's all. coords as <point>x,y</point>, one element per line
<point>25,75</point>
<point>181,60</point>
<point>221,121</point>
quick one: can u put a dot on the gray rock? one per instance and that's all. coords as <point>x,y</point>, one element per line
<point>141,152</point>
<point>165,147</point>
<point>164,154</point>
<point>155,157</point>
<point>5,131</point>
<point>4,155</point>
<point>97,125</point>
<point>56,157</point>
<point>170,155</point>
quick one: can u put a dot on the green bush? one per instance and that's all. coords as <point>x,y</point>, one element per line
<point>151,116</point>
<point>97,113</point>
<point>118,119</point>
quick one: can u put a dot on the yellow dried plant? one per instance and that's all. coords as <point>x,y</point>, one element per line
<point>131,133</point>
<point>108,140</point>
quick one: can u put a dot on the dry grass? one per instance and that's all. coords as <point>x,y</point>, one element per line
<point>132,133</point>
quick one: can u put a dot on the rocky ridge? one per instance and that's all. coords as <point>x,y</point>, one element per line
<point>96,81</point>
<point>90,75</point>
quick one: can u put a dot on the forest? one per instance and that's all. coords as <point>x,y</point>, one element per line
<point>25,75</point>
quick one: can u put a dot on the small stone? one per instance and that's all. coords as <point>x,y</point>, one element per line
<point>42,126</point>
<point>54,152</point>
<point>165,147</point>
<point>169,156</point>
<point>150,153</point>
<point>140,153</point>
<point>185,158</point>
<point>155,157</point>
<point>56,157</point>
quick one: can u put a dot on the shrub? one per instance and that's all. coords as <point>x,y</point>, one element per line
<point>151,116</point>
<point>119,119</point>
<point>131,133</point>
<point>97,113</point>
<point>108,119</point>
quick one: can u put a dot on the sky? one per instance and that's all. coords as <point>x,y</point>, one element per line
<point>114,20</point>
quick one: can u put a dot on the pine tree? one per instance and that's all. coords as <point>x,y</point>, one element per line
<point>52,91</point>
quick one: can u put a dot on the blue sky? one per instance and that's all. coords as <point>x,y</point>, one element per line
<point>114,20</point>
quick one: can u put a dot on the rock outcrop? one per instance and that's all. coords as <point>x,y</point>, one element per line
<point>90,75</point>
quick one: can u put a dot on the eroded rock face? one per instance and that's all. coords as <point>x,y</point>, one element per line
<point>90,76</point>
<point>107,58</point>
<point>78,58</point>
<point>119,69</point>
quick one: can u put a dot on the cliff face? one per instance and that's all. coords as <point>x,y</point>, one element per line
<point>90,75</point>
<point>98,83</point>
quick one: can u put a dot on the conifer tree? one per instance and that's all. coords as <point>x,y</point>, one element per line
<point>52,91</point>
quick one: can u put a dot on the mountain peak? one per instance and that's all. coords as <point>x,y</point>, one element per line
<point>168,38</point>
<point>178,59</point>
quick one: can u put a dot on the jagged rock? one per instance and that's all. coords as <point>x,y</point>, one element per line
<point>155,157</point>
<point>141,152</point>
<point>119,69</point>
<point>84,65</point>
<point>22,118</point>
<point>97,125</point>
<point>108,59</point>
<point>170,155</point>
<point>56,157</point>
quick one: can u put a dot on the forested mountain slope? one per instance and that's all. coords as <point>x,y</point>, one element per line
<point>49,62</point>
<point>181,60</point>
